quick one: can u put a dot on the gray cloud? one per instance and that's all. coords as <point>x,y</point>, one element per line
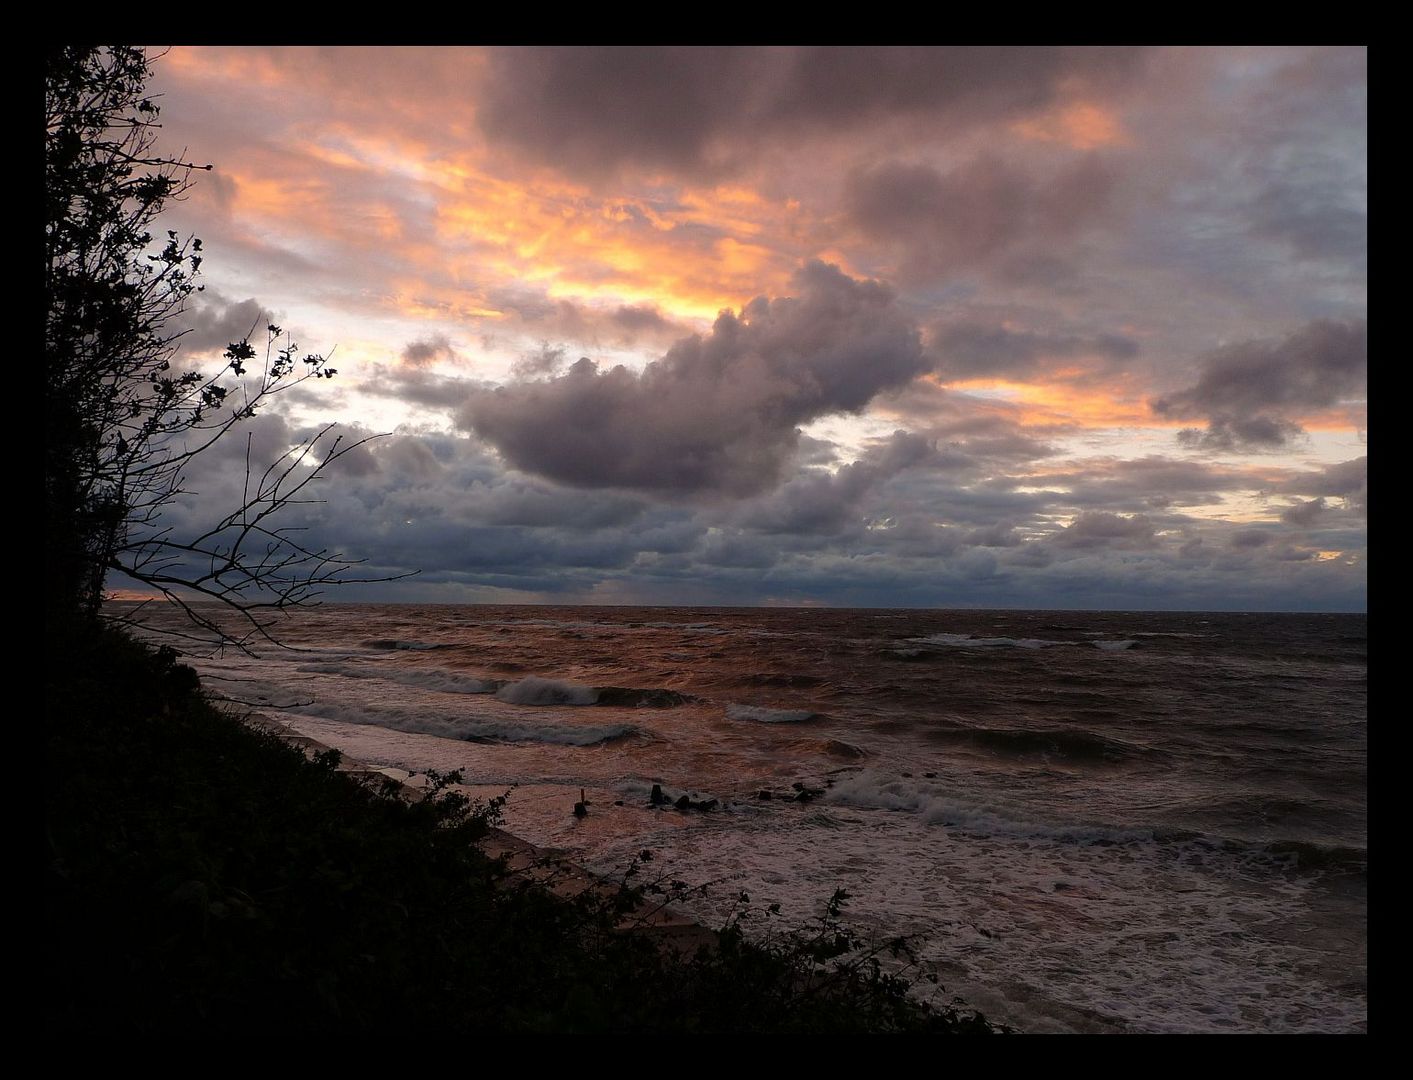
<point>419,387</point>
<point>1311,192</point>
<point>546,360</point>
<point>1225,432</point>
<point>938,224</point>
<point>1305,513</point>
<point>1150,482</point>
<point>816,501</point>
<point>1099,529</point>
<point>212,323</point>
<point>896,527</point>
<point>969,348</point>
<point>699,109</point>
<point>715,413</point>
<point>1245,391</point>
<point>1311,222</point>
<point>1249,538</point>
<point>1348,480</point>
<point>425,351</point>
<point>558,320</point>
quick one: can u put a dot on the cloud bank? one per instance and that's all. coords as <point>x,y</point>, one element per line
<point>719,412</point>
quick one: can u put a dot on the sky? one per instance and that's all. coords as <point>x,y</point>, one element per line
<point>939,327</point>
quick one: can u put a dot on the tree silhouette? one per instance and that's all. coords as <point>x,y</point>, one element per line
<point>126,414</point>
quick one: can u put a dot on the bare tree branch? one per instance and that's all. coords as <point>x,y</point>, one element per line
<point>125,420</point>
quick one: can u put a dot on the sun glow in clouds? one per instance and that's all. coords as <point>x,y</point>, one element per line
<point>1072,242</point>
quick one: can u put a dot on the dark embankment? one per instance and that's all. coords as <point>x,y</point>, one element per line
<point>203,877</point>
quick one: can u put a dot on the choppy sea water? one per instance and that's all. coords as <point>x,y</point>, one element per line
<point>1084,821</point>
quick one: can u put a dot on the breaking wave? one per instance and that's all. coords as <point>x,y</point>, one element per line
<point>534,690</point>
<point>1070,745</point>
<point>446,682</point>
<point>966,641</point>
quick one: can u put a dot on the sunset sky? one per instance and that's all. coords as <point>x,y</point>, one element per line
<point>887,327</point>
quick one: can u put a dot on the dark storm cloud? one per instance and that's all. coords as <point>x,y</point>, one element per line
<point>1098,529</point>
<point>978,214</point>
<point>972,348</point>
<point>692,109</point>
<point>215,323</point>
<point>1245,391</point>
<point>1249,538</point>
<point>715,413</point>
<point>816,501</point>
<point>428,350</point>
<point>1348,480</point>
<point>896,527</point>
<point>1241,433</point>
<point>1305,513</point>
<point>1001,534</point>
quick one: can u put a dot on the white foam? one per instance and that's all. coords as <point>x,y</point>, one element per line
<point>446,682</point>
<point>534,690</point>
<point>763,715</point>
<point>966,641</point>
<point>936,806</point>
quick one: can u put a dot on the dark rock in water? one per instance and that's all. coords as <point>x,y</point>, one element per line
<point>804,796</point>
<point>687,803</point>
<point>798,786</point>
<point>930,775</point>
<point>657,798</point>
<point>617,802</point>
<point>764,794</point>
<point>835,748</point>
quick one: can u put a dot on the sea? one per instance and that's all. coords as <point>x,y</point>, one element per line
<point>1080,821</point>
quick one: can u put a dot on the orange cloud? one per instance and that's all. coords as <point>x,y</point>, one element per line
<point>1068,405</point>
<point>1081,125</point>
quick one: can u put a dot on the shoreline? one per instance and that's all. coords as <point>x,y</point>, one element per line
<point>524,861</point>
